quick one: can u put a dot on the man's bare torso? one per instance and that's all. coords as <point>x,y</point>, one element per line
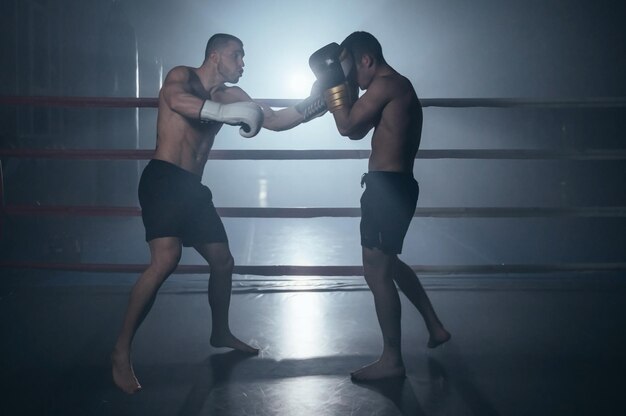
<point>183,141</point>
<point>397,133</point>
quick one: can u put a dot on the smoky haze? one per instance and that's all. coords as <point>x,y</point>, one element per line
<point>549,49</point>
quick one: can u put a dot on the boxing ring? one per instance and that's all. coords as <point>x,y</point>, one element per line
<point>11,211</point>
<point>522,342</point>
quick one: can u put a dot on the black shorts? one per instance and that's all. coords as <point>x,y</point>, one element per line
<point>174,203</point>
<point>387,207</point>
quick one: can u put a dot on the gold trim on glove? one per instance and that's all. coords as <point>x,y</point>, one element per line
<point>337,97</point>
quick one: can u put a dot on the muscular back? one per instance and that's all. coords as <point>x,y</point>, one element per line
<point>181,138</point>
<point>398,131</point>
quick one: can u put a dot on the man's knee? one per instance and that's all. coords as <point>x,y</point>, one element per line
<point>374,257</point>
<point>165,263</point>
<point>165,256</point>
<point>222,261</point>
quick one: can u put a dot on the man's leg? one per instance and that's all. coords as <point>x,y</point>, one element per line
<point>165,254</point>
<point>220,286</point>
<point>378,275</point>
<point>410,285</point>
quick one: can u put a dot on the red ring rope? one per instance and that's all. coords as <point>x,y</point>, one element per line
<point>132,102</point>
<point>283,270</point>
<point>126,102</point>
<point>217,154</point>
<point>265,212</point>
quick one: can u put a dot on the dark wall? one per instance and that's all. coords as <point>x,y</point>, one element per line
<point>483,48</point>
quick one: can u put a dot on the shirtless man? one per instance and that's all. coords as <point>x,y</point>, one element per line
<point>390,106</point>
<point>177,210</point>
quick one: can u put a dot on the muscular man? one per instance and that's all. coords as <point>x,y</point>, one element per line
<point>177,210</point>
<point>391,107</point>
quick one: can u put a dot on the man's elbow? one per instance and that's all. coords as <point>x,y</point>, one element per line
<point>345,132</point>
<point>351,134</point>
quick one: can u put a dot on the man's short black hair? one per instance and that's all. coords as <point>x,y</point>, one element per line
<point>361,43</point>
<point>218,41</point>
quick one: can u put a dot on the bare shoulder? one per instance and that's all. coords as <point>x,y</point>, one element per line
<point>177,80</point>
<point>391,84</point>
<point>400,82</point>
<point>178,73</point>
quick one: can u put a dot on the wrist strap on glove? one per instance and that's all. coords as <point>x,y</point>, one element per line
<point>311,107</point>
<point>337,97</point>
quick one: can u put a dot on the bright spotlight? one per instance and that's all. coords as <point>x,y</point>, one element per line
<point>299,84</point>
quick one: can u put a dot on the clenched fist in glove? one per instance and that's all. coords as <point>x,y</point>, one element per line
<point>331,65</point>
<point>246,114</point>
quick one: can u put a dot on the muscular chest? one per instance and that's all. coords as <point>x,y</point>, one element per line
<point>202,136</point>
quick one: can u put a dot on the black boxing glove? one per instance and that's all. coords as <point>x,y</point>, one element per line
<point>331,65</point>
<point>314,105</point>
<point>326,66</point>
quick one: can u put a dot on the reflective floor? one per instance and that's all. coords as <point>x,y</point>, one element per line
<point>522,345</point>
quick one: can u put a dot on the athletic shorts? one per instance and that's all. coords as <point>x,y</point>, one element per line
<point>174,203</point>
<point>387,207</point>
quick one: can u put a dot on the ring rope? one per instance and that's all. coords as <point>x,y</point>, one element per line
<point>127,102</point>
<point>217,154</point>
<point>144,102</point>
<point>287,270</point>
<point>258,212</point>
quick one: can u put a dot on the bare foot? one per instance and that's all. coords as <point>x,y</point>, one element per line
<point>123,374</point>
<point>230,341</point>
<point>379,370</point>
<point>439,337</point>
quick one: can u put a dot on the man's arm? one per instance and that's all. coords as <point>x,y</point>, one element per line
<point>306,110</point>
<point>357,120</point>
<point>276,120</point>
<point>177,94</point>
<point>332,66</point>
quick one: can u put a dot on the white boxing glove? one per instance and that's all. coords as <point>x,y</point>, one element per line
<point>246,114</point>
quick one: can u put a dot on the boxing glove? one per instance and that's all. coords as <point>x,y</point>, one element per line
<point>314,105</point>
<point>246,114</point>
<point>326,66</point>
<point>331,65</point>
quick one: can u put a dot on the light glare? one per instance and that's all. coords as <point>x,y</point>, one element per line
<point>300,83</point>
